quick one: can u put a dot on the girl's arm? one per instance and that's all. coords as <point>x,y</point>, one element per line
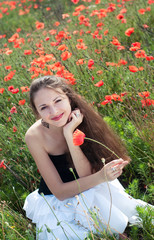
<point>81,163</point>
<point>52,178</point>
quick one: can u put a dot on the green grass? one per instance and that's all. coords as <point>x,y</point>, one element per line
<point>129,118</point>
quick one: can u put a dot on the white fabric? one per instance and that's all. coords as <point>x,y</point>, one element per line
<point>114,208</point>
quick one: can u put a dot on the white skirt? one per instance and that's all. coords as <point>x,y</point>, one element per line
<point>73,218</point>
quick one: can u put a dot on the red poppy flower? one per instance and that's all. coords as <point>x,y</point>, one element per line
<point>78,137</point>
<point>62,47</point>
<point>149,58</point>
<point>133,69</point>
<point>99,84</point>
<point>105,102</point>
<point>1,90</point>
<point>147,102</point>
<point>2,165</point>
<point>22,102</point>
<point>140,54</point>
<point>14,129</point>
<point>28,52</point>
<point>14,91</point>
<point>80,62</point>
<point>142,11</point>
<point>7,67</point>
<point>90,63</point>
<point>65,55</point>
<point>10,88</point>
<point>144,94</point>
<point>13,110</point>
<point>9,76</point>
<point>75,1</point>
<point>39,25</point>
<point>129,31</point>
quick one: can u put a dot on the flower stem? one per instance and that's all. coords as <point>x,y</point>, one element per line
<point>102,145</point>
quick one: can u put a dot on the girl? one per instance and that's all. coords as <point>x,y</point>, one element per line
<point>71,198</point>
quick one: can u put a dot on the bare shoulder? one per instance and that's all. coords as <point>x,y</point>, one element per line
<point>34,132</point>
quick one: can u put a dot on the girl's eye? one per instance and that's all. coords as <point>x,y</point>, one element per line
<point>43,108</point>
<point>58,100</point>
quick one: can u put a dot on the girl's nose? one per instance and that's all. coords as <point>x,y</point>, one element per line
<point>53,110</point>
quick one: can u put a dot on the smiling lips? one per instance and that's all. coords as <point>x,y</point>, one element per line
<point>57,118</point>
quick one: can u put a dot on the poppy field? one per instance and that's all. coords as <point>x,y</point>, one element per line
<point>104,49</point>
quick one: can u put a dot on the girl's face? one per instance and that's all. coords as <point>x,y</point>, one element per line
<point>53,106</point>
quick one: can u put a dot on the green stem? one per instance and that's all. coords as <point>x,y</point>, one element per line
<point>102,145</point>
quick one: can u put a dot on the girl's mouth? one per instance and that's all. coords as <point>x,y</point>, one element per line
<point>57,118</point>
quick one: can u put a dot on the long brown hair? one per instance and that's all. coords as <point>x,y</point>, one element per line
<point>92,125</point>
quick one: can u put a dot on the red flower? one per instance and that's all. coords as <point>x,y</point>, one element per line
<point>105,102</point>
<point>144,94</point>
<point>65,55</point>
<point>10,88</point>
<point>22,102</point>
<point>99,84</point>
<point>14,91</point>
<point>14,129</point>
<point>1,90</point>
<point>39,25</point>
<point>142,11</point>
<point>78,137</point>
<point>133,69</point>
<point>28,52</point>
<point>2,164</point>
<point>149,58</point>
<point>90,63</point>
<point>13,110</point>
<point>24,89</point>
<point>75,1</point>
<point>147,102</point>
<point>7,67</point>
<point>140,54</point>
<point>129,31</point>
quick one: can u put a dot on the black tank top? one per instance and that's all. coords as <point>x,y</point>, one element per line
<point>62,165</point>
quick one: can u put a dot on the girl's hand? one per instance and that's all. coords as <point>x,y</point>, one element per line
<point>113,169</point>
<point>74,121</point>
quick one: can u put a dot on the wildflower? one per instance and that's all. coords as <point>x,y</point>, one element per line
<point>80,62</point>
<point>9,76</point>
<point>7,67</point>
<point>99,84</point>
<point>133,69</point>
<point>22,102</point>
<point>62,47</point>
<point>90,63</point>
<point>14,91</point>
<point>115,41</point>
<point>1,90</point>
<point>140,54</point>
<point>144,94</point>
<point>147,102</point>
<point>10,88</point>
<point>28,52</point>
<point>65,55</point>
<point>142,11</point>
<point>2,165</point>
<point>149,58</point>
<point>39,25</point>
<point>105,102</point>
<point>14,129</point>
<point>13,110</point>
<point>78,137</point>
<point>129,31</point>
<point>106,32</point>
